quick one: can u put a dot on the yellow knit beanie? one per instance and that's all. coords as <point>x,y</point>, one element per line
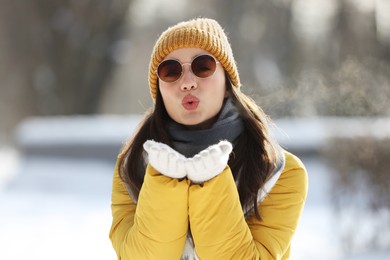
<point>201,33</point>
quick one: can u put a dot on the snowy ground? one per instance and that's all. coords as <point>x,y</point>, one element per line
<point>60,211</point>
<point>57,207</point>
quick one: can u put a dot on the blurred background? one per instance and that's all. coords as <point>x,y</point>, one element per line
<point>73,86</point>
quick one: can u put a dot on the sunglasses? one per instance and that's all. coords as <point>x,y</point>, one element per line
<point>202,66</point>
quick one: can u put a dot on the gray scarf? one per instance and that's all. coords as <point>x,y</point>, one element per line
<point>228,126</point>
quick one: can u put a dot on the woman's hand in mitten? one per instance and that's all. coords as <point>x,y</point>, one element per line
<point>165,159</point>
<point>208,163</point>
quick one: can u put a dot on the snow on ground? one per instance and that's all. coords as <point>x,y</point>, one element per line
<point>9,159</point>
<point>315,237</point>
<point>60,211</point>
<point>57,207</point>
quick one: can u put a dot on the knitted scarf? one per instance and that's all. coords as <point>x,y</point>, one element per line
<point>228,126</point>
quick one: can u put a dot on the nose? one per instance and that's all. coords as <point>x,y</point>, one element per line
<point>188,80</point>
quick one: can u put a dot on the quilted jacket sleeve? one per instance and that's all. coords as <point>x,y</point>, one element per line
<point>155,227</point>
<point>220,230</point>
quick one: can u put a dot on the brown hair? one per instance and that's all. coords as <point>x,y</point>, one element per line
<point>252,161</point>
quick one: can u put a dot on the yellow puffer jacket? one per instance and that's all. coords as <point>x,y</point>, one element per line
<point>156,227</point>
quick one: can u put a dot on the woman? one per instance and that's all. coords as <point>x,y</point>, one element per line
<point>202,178</point>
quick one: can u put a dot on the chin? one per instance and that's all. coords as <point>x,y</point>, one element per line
<point>190,122</point>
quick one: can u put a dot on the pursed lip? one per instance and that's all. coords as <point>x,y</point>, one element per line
<point>190,102</point>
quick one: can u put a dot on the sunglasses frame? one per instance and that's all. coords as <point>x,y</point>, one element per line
<point>189,63</point>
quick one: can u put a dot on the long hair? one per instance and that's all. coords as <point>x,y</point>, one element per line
<point>252,161</point>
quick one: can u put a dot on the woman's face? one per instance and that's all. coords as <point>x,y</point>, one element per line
<point>193,101</point>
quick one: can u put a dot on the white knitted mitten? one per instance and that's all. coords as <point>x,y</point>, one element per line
<point>165,159</point>
<point>208,163</point>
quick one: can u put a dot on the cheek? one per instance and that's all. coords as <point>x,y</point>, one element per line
<point>165,93</point>
<point>168,99</point>
<point>220,87</point>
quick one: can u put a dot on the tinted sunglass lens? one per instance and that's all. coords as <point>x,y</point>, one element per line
<point>203,66</point>
<point>169,70</point>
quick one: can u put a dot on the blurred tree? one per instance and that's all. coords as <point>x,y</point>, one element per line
<point>63,52</point>
<point>360,192</point>
<point>258,31</point>
<point>337,65</point>
<point>296,57</point>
